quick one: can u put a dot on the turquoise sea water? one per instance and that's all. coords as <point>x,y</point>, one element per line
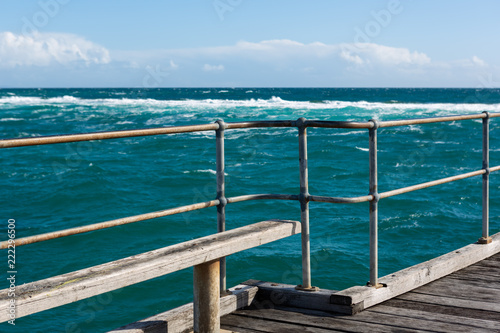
<point>49,188</point>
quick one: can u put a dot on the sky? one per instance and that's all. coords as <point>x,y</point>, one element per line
<point>249,43</point>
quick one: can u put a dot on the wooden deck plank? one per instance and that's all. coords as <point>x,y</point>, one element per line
<point>235,329</point>
<point>485,281</point>
<point>320,320</point>
<point>454,289</point>
<point>467,323</point>
<point>488,263</point>
<point>480,270</point>
<point>260,324</point>
<point>476,282</point>
<point>443,309</point>
<point>451,301</point>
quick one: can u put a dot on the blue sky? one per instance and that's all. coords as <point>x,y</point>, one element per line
<point>232,43</point>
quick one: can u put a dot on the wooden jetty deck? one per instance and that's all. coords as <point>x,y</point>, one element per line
<point>464,301</point>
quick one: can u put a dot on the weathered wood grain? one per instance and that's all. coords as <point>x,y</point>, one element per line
<point>439,309</point>
<point>490,282</point>
<point>418,275</point>
<point>52,292</point>
<point>313,321</point>
<point>466,324</point>
<point>286,295</point>
<point>451,301</point>
<point>454,289</point>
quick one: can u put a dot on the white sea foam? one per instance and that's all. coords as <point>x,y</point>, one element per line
<point>11,119</point>
<point>213,172</point>
<point>274,102</point>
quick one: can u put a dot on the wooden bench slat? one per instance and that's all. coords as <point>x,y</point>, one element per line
<point>71,287</point>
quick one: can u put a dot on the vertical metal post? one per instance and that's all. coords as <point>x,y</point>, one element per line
<point>304,208</point>
<point>221,196</point>
<point>485,239</point>
<point>373,206</point>
<point>206,297</point>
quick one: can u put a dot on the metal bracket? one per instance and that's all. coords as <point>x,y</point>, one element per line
<point>299,287</point>
<point>222,201</point>
<point>300,123</point>
<point>222,125</point>
<point>375,123</point>
<point>377,286</point>
<point>225,293</point>
<point>484,240</point>
<point>376,196</point>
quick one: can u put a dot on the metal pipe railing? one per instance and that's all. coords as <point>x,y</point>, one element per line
<point>485,239</point>
<point>304,207</point>
<point>249,197</point>
<point>339,200</point>
<point>47,140</point>
<point>221,196</point>
<point>304,197</point>
<point>109,224</point>
<point>412,188</point>
<point>372,138</point>
<point>337,124</point>
<point>430,120</point>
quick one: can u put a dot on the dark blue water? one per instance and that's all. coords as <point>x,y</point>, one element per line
<point>49,188</point>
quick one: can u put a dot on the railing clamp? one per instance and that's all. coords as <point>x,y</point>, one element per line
<point>304,197</point>
<point>222,125</point>
<point>376,197</point>
<point>376,123</point>
<point>300,123</point>
<point>222,201</point>
<point>487,171</point>
<point>487,115</point>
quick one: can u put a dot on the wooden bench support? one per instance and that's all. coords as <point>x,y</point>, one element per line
<point>206,294</point>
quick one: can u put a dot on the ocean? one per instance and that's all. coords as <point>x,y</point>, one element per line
<point>55,187</point>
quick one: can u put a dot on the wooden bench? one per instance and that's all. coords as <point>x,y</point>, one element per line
<point>202,253</point>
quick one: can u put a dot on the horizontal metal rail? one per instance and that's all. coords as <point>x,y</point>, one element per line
<point>261,124</point>
<point>109,224</point>
<point>141,217</point>
<point>435,182</point>
<point>337,124</point>
<point>45,140</point>
<point>405,122</point>
<point>339,200</point>
<point>250,197</point>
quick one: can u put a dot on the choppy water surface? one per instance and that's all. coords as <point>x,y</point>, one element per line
<point>48,188</point>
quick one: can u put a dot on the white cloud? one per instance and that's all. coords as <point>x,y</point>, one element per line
<point>265,63</point>
<point>290,51</point>
<point>46,49</point>
<point>213,68</point>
